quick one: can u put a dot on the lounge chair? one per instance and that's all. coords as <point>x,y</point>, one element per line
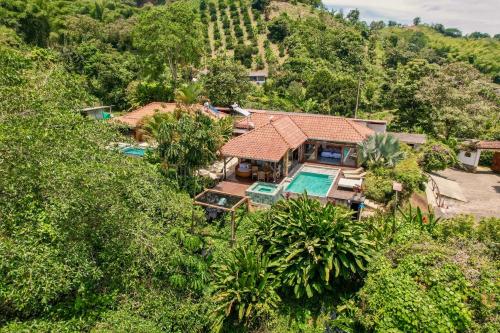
<point>360,176</point>
<point>352,172</point>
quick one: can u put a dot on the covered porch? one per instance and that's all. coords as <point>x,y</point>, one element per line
<point>249,170</point>
<point>332,153</point>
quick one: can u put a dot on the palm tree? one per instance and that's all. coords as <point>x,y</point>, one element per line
<point>188,93</point>
<point>380,149</point>
<point>149,127</point>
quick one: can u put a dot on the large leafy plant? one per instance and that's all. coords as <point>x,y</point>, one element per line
<point>244,289</point>
<point>380,150</point>
<point>313,244</point>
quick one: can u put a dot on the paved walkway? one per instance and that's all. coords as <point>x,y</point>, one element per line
<point>481,189</point>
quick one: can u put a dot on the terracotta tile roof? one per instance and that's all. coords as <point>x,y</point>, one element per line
<point>330,128</point>
<point>134,117</point>
<point>289,131</point>
<point>264,143</point>
<point>314,126</point>
<point>494,145</point>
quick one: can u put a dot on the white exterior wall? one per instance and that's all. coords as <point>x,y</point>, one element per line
<point>472,160</point>
<point>378,128</point>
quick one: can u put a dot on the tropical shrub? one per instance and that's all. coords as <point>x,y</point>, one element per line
<point>313,245</point>
<point>436,156</point>
<point>408,172</point>
<point>378,181</point>
<point>378,186</point>
<point>418,284</point>
<point>191,141</point>
<point>380,149</point>
<point>244,290</point>
<point>421,292</point>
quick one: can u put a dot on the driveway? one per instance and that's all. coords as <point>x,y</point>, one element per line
<point>481,189</point>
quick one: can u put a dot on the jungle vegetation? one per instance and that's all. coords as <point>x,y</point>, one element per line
<point>93,241</point>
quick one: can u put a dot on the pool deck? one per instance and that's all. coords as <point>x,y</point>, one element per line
<point>232,187</point>
<point>238,186</point>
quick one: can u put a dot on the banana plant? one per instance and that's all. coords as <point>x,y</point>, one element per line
<point>313,245</point>
<point>244,289</point>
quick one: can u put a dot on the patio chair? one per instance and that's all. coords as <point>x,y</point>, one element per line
<point>261,175</point>
<point>360,176</point>
<point>255,171</point>
<point>277,174</point>
<point>352,172</point>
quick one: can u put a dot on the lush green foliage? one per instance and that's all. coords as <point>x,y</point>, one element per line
<point>244,289</point>
<point>436,156</point>
<point>314,246</point>
<point>380,150</point>
<point>226,82</point>
<point>82,226</point>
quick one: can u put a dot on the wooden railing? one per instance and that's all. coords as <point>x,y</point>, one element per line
<point>435,191</point>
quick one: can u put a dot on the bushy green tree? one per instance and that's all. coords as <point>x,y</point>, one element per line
<point>170,36</point>
<point>458,103</point>
<point>189,141</point>
<point>226,82</point>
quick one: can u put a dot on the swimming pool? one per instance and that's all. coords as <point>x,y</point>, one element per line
<point>134,151</point>
<point>314,182</point>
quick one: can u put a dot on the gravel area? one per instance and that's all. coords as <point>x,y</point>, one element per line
<point>482,190</point>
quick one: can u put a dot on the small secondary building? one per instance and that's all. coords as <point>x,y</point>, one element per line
<point>470,153</point>
<point>413,140</point>
<point>134,118</point>
<point>258,77</point>
<point>97,112</point>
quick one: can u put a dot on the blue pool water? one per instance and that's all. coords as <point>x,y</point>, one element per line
<point>314,183</point>
<point>134,151</point>
<point>265,188</point>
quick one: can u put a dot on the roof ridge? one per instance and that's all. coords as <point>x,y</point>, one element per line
<point>281,136</point>
<point>354,125</point>
<point>298,126</point>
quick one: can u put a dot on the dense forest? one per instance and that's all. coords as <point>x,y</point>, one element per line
<point>93,241</point>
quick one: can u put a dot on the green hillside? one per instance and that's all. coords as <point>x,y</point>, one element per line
<point>483,53</point>
<point>102,233</point>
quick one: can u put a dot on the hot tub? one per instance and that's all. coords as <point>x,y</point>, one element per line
<point>264,193</point>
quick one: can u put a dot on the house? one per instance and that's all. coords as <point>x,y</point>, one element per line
<point>259,77</point>
<point>134,118</point>
<point>283,140</point>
